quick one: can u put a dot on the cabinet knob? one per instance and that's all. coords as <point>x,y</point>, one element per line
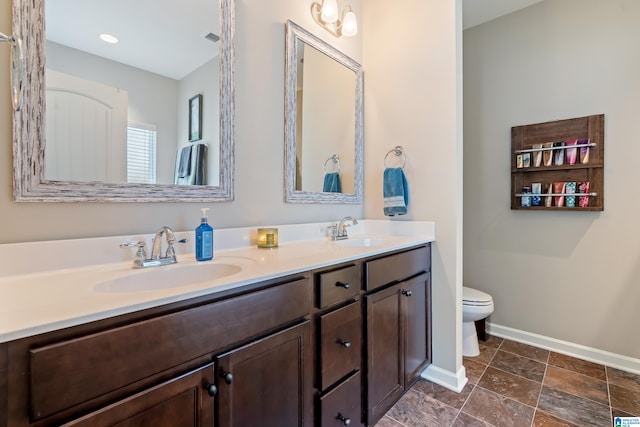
<point>407,293</point>
<point>346,421</point>
<point>212,390</point>
<point>345,344</point>
<point>343,285</point>
<point>228,377</point>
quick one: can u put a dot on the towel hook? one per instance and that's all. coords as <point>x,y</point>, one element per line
<point>17,69</point>
<point>335,159</point>
<point>398,150</point>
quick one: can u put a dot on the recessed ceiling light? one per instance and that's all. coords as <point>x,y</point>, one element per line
<point>109,38</point>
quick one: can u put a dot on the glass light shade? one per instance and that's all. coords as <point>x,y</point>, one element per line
<point>349,24</point>
<point>329,11</point>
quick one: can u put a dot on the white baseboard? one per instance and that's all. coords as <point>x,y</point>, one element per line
<point>591,354</point>
<point>454,381</point>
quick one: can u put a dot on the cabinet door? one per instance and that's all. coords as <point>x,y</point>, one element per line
<point>415,295</point>
<point>385,370</point>
<point>184,401</point>
<point>268,382</point>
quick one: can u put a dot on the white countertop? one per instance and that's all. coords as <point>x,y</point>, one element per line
<point>47,286</point>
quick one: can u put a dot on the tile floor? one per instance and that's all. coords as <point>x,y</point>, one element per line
<point>513,384</point>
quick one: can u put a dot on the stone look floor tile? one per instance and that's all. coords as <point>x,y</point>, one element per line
<point>442,394</point>
<point>474,370</point>
<point>519,365</point>
<point>624,379</point>
<point>388,422</point>
<point>580,411</point>
<point>525,350</point>
<point>625,399</point>
<point>572,393</point>
<point>465,420</point>
<point>416,409</point>
<point>497,410</point>
<point>542,419</point>
<point>517,388</point>
<point>577,365</point>
<point>577,384</point>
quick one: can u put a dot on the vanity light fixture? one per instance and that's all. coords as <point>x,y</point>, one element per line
<point>327,16</point>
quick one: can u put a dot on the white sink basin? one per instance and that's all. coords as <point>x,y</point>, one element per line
<point>167,277</point>
<point>362,242</point>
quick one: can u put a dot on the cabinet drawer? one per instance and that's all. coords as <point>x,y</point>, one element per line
<point>75,371</point>
<point>341,343</point>
<point>338,285</point>
<point>397,267</point>
<point>341,406</point>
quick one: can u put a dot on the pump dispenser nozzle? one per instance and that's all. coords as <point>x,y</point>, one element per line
<point>203,218</point>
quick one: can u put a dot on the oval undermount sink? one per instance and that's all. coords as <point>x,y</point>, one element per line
<point>167,277</point>
<point>362,241</point>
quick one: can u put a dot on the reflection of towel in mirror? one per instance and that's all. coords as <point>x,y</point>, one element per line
<point>191,165</point>
<point>395,192</point>
<point>332,183</point>
<point>184,166</point>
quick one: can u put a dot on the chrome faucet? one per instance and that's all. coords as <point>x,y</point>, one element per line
<point>339,231</point>
<point>170,255</point>
<point>156,259</point>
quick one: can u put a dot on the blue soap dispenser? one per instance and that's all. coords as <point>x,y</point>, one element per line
<point>204,238</point>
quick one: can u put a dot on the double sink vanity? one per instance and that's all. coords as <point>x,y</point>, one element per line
<point>314,332</point>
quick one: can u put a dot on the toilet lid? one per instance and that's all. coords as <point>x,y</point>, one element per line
<point>475,296</point>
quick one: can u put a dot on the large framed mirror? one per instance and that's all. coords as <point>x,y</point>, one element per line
<point>118,122</point>
<point>323,122</point>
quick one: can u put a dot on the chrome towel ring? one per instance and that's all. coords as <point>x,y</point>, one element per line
<point>398,151</point>
<point>335,161</point>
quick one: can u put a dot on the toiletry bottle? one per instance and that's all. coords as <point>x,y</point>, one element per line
<point>204,239</point>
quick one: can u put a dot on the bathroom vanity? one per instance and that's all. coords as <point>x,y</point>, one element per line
<point>334,344</point>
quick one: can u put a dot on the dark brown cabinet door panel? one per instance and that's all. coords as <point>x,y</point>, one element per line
<point>267,383</point>
<point>184,401</point>
<point>415,294</point>
<point>385,370</point>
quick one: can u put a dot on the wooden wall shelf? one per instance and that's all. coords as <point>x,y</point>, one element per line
<point>529,136</point>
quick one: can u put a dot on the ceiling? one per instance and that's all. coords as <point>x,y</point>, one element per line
<point>162,36</point>
<point>476,12</point>
<point>167,36</point>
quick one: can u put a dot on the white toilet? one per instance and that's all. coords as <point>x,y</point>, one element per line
<point>476,305</point>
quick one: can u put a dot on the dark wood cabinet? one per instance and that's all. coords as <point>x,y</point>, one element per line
<point>398,328</point>
<point>267,382</point>
<point>184,401</point>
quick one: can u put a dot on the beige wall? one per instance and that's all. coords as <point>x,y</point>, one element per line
<point>413,77</point>
<point>564,275</point>
<point>259,145</point>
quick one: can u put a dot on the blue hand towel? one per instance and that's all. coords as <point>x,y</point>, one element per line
<point>395,192</point>
<point>332,183</point>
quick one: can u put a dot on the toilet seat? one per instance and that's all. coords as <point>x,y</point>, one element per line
<point>476,298</point>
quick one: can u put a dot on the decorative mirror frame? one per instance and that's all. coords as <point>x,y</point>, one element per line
<point>295,35</point>
<point>29,184</point>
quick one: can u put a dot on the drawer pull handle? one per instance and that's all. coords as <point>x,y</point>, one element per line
<point>406,293</point>
<point>343,285</point>
<point>345,344</point>
<point>228,377</point>
<point>212,390</point>
<point>346,421</point>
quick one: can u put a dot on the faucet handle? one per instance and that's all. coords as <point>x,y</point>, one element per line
<point>332,231</point>
<point>141,254</point>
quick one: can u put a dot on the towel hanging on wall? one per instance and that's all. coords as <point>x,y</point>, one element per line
<point>191,165</point>
<point>332,183</point>
<point>395,192</point>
